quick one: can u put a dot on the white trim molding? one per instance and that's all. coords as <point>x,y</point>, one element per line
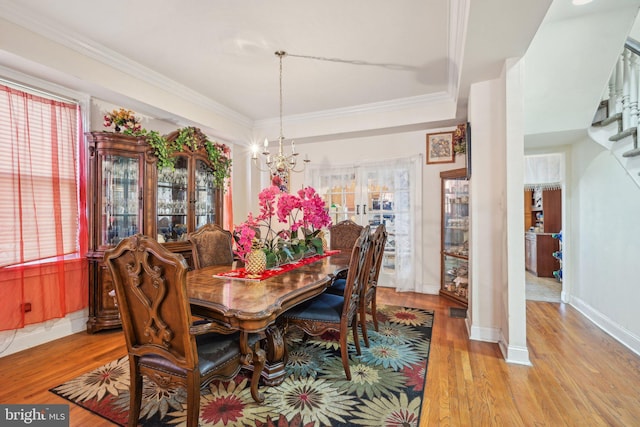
<point>618,332</point>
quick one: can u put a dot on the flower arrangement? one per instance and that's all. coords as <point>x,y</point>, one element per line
<point>122,119</point>
<point>301,212</point>
<point>460,140</point>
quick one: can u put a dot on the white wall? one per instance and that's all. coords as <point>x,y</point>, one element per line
<point>604,261</point>
<point>514,320</point>
<point>497,311</point>
<point>32,335</point>
<point>488,210</point>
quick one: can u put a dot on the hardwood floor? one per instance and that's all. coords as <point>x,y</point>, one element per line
<point>580,376</point>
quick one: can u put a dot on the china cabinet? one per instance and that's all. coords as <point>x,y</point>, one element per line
<point>454,258</point>
<point>128,194</point>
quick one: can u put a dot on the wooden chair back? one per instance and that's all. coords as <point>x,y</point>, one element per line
<point>150,287</point>
<point>358,274</point>
<point>211,245</point>
<point>343,235</point>
<point>378,241</point>
<point>370,287</point>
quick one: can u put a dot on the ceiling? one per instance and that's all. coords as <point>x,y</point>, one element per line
<point>401,65</point>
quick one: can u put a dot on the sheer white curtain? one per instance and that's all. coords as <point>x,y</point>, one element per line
<point>405,174</point>
<point>402,177</point>
<point>543,171</point>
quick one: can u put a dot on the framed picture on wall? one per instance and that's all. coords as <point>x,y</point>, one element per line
<point>281,180</point>
<point>440,148</point>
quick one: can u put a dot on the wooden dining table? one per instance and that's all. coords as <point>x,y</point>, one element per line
<point>254,306</point>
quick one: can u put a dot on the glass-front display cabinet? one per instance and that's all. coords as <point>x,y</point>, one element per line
<point>128,194</point>
<point>180,209</point>
<point>455,235</point>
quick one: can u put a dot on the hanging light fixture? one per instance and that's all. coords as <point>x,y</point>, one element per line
<point>280,162</point>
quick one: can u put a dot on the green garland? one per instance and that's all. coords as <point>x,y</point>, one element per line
<point>187,137</point>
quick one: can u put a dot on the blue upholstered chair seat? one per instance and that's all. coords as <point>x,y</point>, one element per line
<point>337,287</point>
<point>325,308</point>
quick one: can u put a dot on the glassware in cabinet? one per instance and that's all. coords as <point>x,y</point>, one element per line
<point>120,198</point>
<point>205,192</point>
<point>172,201</point>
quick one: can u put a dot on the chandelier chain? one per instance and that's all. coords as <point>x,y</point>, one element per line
<point>281,54</point>
<point>279,162</point>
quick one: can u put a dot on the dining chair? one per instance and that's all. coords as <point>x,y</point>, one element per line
<point>163,343</point>
<point>343,235</point>
<point>211,245</point>
<point>329,312</point>
<point>369,288</point>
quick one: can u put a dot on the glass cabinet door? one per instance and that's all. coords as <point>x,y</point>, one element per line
<point>456,217</point>
<point>120,198</point>
<point>173,202</point>
<point>204,195</point>
<point>455,238</point>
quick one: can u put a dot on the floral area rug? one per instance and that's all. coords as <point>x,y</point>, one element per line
<point>386,389</point>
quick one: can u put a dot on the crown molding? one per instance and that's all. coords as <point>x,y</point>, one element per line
<point>84,46</point>
<point>389,106</point>
<point>458,17</point>
<point>110,58</point>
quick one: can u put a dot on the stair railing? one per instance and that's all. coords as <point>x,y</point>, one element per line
<point>622,103</point>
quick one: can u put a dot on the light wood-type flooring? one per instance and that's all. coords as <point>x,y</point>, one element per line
<point>579,375</point>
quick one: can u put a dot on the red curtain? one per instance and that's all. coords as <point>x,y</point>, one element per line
<point>227,207</point>
<point>43,238</point>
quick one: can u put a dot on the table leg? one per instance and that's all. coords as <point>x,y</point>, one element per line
<point>274,372</point>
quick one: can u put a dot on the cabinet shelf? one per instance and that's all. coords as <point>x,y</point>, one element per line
<point>451,254</point>
<point>455,296</point>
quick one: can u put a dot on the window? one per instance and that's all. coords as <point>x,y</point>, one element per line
<point>43,233</point>
<point>38,177</point>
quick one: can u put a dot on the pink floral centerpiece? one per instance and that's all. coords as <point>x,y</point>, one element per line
<point>303,212</point>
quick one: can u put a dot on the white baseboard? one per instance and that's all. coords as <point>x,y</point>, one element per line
<point>484,334</point>
<point>619,333</point>
<point>514,354</point>
<point>33,335</point>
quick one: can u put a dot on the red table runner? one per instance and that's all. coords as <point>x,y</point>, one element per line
<point>241,274</point>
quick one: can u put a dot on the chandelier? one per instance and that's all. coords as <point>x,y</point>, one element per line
<point>280,162</point>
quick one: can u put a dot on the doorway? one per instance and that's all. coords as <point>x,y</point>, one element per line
<point>543,235</point>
